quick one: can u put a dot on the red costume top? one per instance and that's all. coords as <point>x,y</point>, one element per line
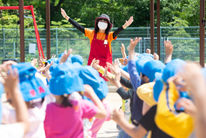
<point>100,46</point>
<point>100,43</point>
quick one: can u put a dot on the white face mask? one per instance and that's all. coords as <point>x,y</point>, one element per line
<point>102,25</point>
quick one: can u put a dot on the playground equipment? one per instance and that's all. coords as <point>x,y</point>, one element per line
<point>30,7</point>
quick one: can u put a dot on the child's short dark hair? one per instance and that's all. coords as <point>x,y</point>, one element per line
<point>66,102</point>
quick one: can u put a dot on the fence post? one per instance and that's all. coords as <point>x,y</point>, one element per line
<point>202,33</point>
<point>152,46</point>
<point>139,45</point>
<point>161,41</point>
<point>48,31</point>
<point>14,47</point>
<point>56,42</point>
<point>21,18</point>
<point>158,29</point>
<point>4,42</point>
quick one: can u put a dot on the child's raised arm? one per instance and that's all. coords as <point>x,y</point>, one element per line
<point>10,82</point>
<point>89,92</point>
<point>168,51</point>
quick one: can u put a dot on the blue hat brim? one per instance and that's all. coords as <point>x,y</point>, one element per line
<point>158,87</point>
<point>31,86</point>
<point>91,77</point>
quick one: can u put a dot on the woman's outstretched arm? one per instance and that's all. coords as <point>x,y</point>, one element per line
<point>75,24</point>
<point>127,24</point>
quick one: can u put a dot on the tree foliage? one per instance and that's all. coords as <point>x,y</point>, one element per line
<point>173,12</point>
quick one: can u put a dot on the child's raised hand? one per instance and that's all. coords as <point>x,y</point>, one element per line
<point>117,115</point>
<point>148,51</point>
<point>9,63</point>
<point>188,106</point>
<point>123,61</point>
<point>123,51</point>
<point>156,56</point>
<point>34,62</point>
<point>133,44</point>
<point>192,76</point>
<point>111,67</point>
<point>65,56</point>
<point>40,62</point>
<point>11,79</point>
<point>88,91</point>
<point>48,66</point>
<point>116,67</point>
<point>168,48</point>
<point>109,76</point>
<point>5,65</point>
<point>53,56</point>
<point>168,51</point>
<point>45,70</point>
<point>95,64</point>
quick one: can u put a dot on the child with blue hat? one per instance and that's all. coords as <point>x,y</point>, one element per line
<point>135,69</point>
<point>149,69</point>
<point>168,95</point>
<point>145,121</point>
<point>195,79</point>
<point>21,126</point>
<point>33,91</point>
<point>64,117</point>
<point>90,76</point>
<point>169,71</point>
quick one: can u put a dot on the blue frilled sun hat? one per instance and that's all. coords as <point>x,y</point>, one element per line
<point>140,62</point>
<point>169,71</point>
<point>31,86</point>
<point>54,60</point>
<point>65,80</point>
<point>151,67</point>
<point>158,86</point>
<point>77,59</point>
<point>91,77</point>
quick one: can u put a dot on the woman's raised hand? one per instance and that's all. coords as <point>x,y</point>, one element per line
<point>64,14</point>
<point>128,22</point>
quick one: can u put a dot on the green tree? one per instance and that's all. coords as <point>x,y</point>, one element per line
<point>118,10</point>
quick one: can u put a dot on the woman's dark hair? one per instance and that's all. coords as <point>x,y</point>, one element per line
<point>66,102</point>
<point>96,29</point>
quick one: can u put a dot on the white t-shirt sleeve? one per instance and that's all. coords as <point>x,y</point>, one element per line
<point>15,130</point>
<point>8,114</point>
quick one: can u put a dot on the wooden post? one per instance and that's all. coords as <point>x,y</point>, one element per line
<point>202,33</point>
<point>158,28</point>
<point>152,26</point>
<point>48,34</point>
<point>21,19</point>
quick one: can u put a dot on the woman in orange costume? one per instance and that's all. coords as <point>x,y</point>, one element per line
<point>100,38</point>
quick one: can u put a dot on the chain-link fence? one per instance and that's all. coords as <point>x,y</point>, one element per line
<point>184,39</point>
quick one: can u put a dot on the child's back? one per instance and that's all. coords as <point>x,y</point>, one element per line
<point>36,118</point>
<point>68,121</point>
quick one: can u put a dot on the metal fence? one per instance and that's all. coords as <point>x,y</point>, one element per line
<point>184,39</point>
